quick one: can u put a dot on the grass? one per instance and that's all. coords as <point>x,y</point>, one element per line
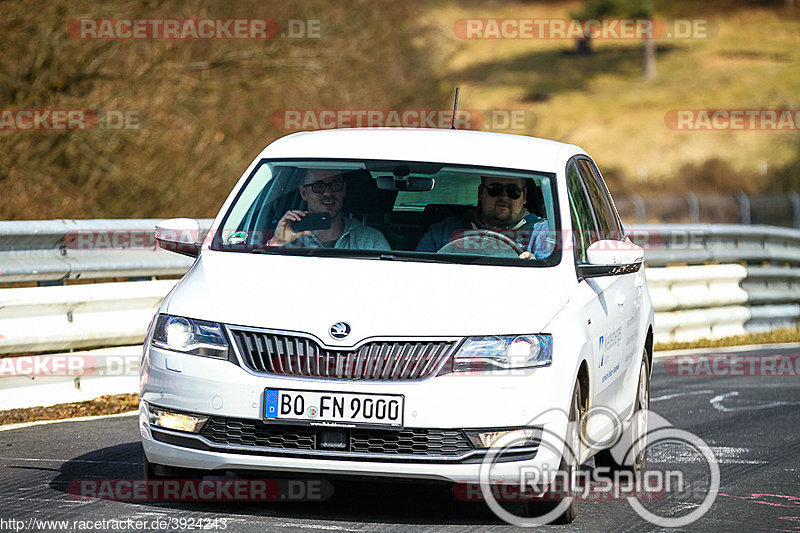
<point>105,405</point>
<point>770,337</point>
<point>205,106</point>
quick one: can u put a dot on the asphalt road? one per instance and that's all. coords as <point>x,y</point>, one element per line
<point>750,422</point>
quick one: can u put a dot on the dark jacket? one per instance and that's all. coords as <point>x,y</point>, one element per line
<point>530,232</point>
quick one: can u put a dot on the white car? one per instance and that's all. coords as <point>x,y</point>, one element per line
<point>405,317</point>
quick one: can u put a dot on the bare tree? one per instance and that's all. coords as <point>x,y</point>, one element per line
<point>635,9</point>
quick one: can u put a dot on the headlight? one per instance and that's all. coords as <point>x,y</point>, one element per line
<point>484,354</point>
<point>195,337</point>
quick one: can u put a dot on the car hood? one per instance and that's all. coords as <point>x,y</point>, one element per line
<point>378,298</point>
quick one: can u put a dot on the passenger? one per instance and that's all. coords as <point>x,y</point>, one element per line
<point>501,208</point>
<point>324,191</point>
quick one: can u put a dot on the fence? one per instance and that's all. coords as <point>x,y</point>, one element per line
<point>773,209</point>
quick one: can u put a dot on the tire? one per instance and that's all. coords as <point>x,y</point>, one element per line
<point>634,439</point>
<point>568,468</point>
<point>153,471</point>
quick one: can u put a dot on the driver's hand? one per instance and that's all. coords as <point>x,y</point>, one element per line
<point>284,234</point>
<point>526,255</point>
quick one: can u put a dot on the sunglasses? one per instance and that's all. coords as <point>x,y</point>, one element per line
<point>513,190</point>
<point>319,187</point>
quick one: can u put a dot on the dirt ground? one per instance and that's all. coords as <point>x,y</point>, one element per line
<point>105,405</point>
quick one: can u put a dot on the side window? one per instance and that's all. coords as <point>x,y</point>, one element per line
<point>607,218</point>
<point>603,187</point>
<point>584,226</point>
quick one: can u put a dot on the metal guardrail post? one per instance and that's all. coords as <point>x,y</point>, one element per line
<point>640,207</point>
<point>694,208</point>
<point>744,204</point>
<point>795,199</point>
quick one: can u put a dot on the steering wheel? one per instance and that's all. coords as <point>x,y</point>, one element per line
<point>482,242</point>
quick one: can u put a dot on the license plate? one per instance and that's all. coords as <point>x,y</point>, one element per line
<point>334,409</point>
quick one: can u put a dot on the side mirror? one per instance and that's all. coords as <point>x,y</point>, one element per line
<point>180,235</point>
<point>611,258</point>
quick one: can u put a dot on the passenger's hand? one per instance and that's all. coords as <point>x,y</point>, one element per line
<point>284,234</point>
<point>526,255</point>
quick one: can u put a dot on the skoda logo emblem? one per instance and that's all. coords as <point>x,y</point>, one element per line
<point>340,330</point>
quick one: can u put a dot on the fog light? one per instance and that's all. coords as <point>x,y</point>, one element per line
<point>177,421</point>
<point>519,438</point>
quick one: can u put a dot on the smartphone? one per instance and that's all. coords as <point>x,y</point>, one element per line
<point>312,221</point>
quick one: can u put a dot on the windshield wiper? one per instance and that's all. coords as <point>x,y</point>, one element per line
<point>370,254</point>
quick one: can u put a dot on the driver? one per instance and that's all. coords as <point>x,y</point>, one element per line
<point>501,208</point>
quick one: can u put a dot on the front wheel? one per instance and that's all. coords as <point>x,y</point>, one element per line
<point>564,487</point>
<point>633,459</point>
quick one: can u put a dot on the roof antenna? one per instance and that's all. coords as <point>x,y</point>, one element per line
<point>455,108</point>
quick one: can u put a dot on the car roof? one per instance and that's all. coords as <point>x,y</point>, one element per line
<point>426,144</point>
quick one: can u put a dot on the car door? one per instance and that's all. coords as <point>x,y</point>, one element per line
<point>605,301</point>
<point>617,343</point>
<point>591,294</point>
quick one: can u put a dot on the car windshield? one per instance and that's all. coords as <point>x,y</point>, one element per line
<point>403,210</point>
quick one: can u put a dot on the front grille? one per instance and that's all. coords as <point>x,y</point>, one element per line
<point>430,442</point>
<point>238,432</point>
<point>423,442</point>
<point>289,355</point>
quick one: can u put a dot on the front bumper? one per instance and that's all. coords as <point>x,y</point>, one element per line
<point>444,404</point>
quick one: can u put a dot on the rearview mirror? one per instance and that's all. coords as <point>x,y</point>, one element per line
<point>405,183</point>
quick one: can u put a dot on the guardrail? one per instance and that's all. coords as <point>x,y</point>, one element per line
<point>705,280</point>
<point>63,250</point>
<point>719,280</point>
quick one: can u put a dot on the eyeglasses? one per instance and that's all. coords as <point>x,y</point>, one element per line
<point>319,187</point>
<point>513,190</point>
